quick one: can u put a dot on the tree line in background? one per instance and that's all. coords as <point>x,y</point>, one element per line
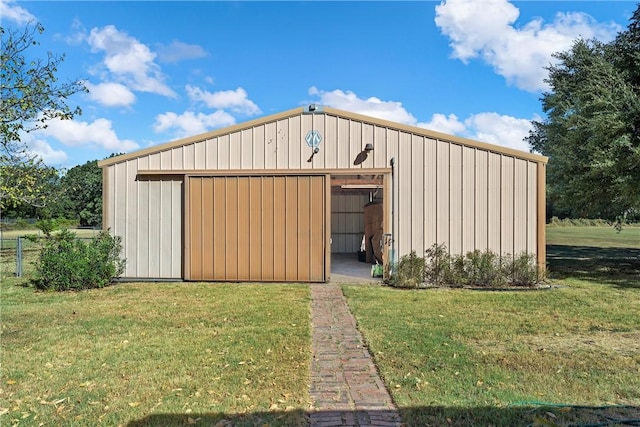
<point>74,195</point>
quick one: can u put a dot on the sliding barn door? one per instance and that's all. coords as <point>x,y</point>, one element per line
<point>256,228</point>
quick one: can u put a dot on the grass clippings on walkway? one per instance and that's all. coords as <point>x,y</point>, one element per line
<point>155,354</point>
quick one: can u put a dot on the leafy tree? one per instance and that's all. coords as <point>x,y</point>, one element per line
<point>82,190</point>
<point>592,130</point>
<point>31,96</point>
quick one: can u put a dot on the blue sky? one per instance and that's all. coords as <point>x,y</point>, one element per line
<point>159,71</point>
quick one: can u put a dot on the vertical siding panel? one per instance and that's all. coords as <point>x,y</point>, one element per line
<point>455,201</point>
<point>317,213</point>
<point>291,228</point>
<point>176,189</point>
<point>304,228</point>
<point>112,200</point>
<point>165,160</point>
<point>328,140</point>
<point>147,227</point>
<point>295,144</point>
<point>430,192</point>
<point>244,240</point>
<point>380,159</point>
<point>235,148</point>
<point>212,153</point>
<point>144,219</point>
<point>494,203</point>
<point>231,243</point>
<point>200,153</point>
<point>355,142</point>
<point>157,255</point>
<point>405,194</point>
<point>268,228</point>
<point>306,124</point>
<point>442,197</point>
<point>343,143</point>
<point>220,227</point>
<point>247,160</point>
<point>256,215</point>
<point>271,146</point>
<point>469,215</point>
<point>330,149</point>
<point>507,195</point>
<point>280,226</point>
<point>177,158</point>
<point>368,137</point>
<point>154,161</point>
<point>482,193</point>
<point>392,149</point>
<point>417,231</point>
<point>258,147</point>
<point>520,207</point>
<point>160,229</point>
<point>282,157</point>
<point>223,152</point>
<point>531,207</point>
<point>195,221</point>
<point>208,230</point>
<point>189,157</point>
<point>132,214</point>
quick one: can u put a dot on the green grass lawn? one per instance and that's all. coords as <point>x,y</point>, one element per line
<point>142,354</point>
<point>463,357</point>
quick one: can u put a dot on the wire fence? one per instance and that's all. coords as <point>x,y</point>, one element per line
<point>19,253</point>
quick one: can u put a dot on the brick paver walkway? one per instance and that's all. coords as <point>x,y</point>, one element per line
<point>346,389</point>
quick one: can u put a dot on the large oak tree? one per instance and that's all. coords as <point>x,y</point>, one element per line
<point>592,129</point>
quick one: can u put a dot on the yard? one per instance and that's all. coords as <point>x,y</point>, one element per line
<point>142,354</point>
<point>569,355</point>
<point>155,354</point>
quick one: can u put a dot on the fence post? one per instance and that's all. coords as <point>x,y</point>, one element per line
<point>19,257</point>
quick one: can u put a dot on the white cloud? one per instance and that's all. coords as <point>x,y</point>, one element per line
<point>374,107</point>
<point>485,29</point>
<point>190,123</point>
<point>50,156</point>
<point>499,129</point>
<point>493,128</point>
<point>234,100</point>
<point>98,133</point>
<point>10,11</point>
<point>130,62</point>
<point>111,94</point>
<point>178,51</point>
<point>446,124</point>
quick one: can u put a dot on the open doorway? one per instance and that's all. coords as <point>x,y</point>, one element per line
<point>357,226</point>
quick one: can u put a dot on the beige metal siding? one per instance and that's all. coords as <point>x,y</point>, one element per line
<point>146,213</point>
<point>447,190</point>
<point>248,228</point>
<point>481,200</point>
<point>469,213</point>
<point>443,193</point>
<point>347,222</point>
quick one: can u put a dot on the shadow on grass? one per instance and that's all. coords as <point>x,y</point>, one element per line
<point>420,416</point>
<point>614,266</point>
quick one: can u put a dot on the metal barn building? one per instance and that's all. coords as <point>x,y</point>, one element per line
<point>271,199</point>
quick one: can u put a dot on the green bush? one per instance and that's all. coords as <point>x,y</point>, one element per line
<point>477,268</point>
<point>483,269</point>
<point>524,270</point>
<point>409,272</point>
<point>68,263</point>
